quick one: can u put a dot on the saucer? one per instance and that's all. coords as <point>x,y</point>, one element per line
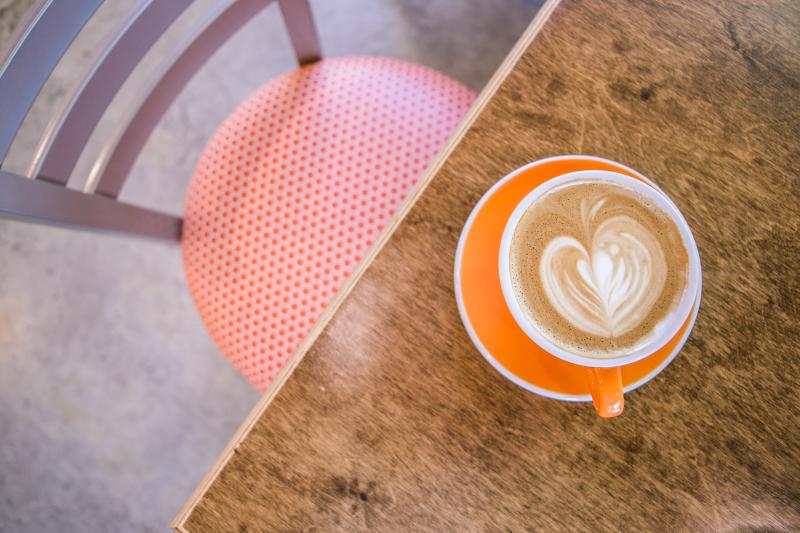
<point>482,307</point>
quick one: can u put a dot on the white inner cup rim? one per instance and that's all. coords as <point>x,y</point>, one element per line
<point>675,320</point>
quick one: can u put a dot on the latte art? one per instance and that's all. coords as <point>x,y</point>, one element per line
<point>597,267</point>
<point>608,289</point>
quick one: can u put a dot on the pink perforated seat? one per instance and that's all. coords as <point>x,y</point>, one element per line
<point>295,185</point>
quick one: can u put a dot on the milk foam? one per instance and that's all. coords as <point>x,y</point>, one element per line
<point>597,267</point>
<point>607,289</point>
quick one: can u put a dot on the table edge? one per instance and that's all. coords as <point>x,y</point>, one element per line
<point>394,222</point>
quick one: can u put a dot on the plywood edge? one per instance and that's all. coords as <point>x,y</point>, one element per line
<point>179,523</point>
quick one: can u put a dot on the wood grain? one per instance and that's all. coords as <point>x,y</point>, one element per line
<point>393,421</point>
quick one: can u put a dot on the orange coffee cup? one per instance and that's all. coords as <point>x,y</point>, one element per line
<point>604,373</point>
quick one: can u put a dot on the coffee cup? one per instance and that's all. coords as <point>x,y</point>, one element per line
<point>580,288</point>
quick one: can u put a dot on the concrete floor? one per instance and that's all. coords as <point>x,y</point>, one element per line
<point>113,400</point>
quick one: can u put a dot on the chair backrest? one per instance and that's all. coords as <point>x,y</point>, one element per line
<point>33,52</point>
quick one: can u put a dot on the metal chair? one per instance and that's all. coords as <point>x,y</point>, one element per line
<point>289,192</point>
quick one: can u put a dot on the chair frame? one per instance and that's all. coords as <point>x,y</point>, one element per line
<point>41,196</point>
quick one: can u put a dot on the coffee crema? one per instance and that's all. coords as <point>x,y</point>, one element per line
<point>597,267</point>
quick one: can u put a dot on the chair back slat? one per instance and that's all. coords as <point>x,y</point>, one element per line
<point>70,129</point>
<point>302,30</point>
<point>118,156</point>
<point>30,60</point>
<point>46,203</point>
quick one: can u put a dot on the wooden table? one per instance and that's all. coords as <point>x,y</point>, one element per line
<point>393,421</point>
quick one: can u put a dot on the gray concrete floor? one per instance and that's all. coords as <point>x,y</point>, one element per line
<point>113,400</point>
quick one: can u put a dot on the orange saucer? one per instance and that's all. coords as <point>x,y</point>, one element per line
<point>483,309</point>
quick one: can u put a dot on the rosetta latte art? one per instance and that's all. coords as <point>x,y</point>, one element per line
<point>608,289</point>
<point>597,267</point>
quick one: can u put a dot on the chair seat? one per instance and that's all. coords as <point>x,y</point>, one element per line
<point>293,188</point>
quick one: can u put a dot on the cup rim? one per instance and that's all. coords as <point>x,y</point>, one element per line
<point>677,318</point>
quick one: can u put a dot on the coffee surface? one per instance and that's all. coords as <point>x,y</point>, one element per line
<point>597,268</point>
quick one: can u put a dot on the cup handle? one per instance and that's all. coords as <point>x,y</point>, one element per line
<point>606,387</point>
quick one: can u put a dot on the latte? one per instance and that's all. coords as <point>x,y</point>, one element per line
<point>597,267</point>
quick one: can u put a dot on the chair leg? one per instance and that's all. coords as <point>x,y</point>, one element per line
<point>302,31</point>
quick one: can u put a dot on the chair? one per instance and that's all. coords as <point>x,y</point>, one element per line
<point>288,194</point>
